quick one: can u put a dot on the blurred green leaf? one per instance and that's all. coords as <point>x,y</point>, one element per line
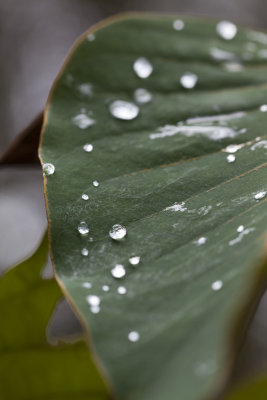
<point>252,390</point>
<point>30,367</point>
<point>195,216</point>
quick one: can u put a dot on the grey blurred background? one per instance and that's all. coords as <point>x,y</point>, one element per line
<point>35,38</point>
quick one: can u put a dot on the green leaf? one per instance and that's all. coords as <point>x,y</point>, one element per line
<point>30,367</point>
<point>165,176</point>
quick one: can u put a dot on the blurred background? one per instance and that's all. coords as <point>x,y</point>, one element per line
<point>35,38</point>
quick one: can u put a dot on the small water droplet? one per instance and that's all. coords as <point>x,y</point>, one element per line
<point>93,300</point>
<point>91,37</point>
<point>124,110</point>
<point>83,228</point>
<point>178,25</point>
<point>117,232</point>
<point>142,96</point>
<point>88,147</point>
<point>240,228</point>
<point>217,285</point>
<point>83,121</point>
<point>86,89</point>
<point>260,195</point>
<point>263,108</point>
<point>95,183</point>
<point>105,288</point>
<point>188,80</point>
<point>233,148</point>
<point>87,285</point>
<point>95,309</point>
<point>134,260</point>
<point>118,271</point>
<point>49,169</point>
<point>85,196</point>
<point>233,66</point>
<point>133,336</point>
<point>142,67</point>
<point>202,240</point>
<point>231,158</point>
<point>227,30</point>
<point>85,252</point>
<point>122,290</point>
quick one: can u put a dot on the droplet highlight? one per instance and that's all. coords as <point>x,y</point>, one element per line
<point>124,110</point>
<point>118,271</point>
<point>217,285</point>
<point>85,252</point>
<point>226,30</point>
<point>105,288</point>
<point>95,183</point>
<point>202,240</point>
<point>49,169</point>
<point>142,67</point>
<point>263,108</point>
<point>134,336</point>
<point>122,290</point>
<point>189,80</point>
<point>134,260</point>
<point>85,196</point>
<point>230,158</point>
<point>87,285</point>
<point>260,195</point>
<point>88,147</point>
<point>83,121</point>
<point>142,96</point>
<point>178,25</point>
<point>117,232</point>
<point>83,228</point>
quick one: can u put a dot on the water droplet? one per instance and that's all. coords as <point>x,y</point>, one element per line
<point>83,121</point>
<point>134,260</point>
<point>233,66</point>
<point>142,96</point>
<point>88,147</point>
<point>118,271</point>
<point>105,288</point>
<point>227,30</point>
<point>233,148</point>
<point>93,300</point>
<point>217,285</point>
<point>188,80</point>
<point>49,169</point>
<point>258,145</point>
<point>86,89</point>
<point>202,240</point>
<point>178,25</point>
<point>260,195</point>
<point>83,228</point>
<point>230,158</point>
<point>221,55</point>
<point>95,309</point>
<point>240,228</point>
<point>91,37</point>
<point>117,232</point>
<point>124,110</point>
<point>85,196</point>
<point>87,285</point>
<point>122,290</point>
<point>263,108</point>
<point>133,336</point>
<point>142,68</point>
<point>95,183</point>
<point>85,252</point>
<point>176,207</point>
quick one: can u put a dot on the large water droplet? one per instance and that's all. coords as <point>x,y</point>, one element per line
<point>95,183</point>
<point>178,25</point>
<point>202,240</point>
<point>227,30</point>
<point>134,260</point>
<point>124,110</point>
<point>85,196</point>
<point>260,195</point>
<point>83,121</point>
<point>83,228</point>
<point>142,96</point>
<point>217,285</point>
<point>133,336</point>
<point>85,252</point>
<point>142,68</point>
<point>88,147</point>
<point>240,228</point>
<point>49,169</point>
<point>122,290</point>
<point>188,80</point>
<point>230,158</point>
<point>118,271</point>
<point>117,232</point>
<point>93,300</point>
